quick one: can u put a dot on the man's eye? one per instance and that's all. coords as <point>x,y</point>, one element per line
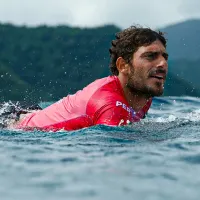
<point>165,56</point>
<point>151,56</point>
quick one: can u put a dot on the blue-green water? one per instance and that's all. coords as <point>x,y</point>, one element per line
<point>158,158</point>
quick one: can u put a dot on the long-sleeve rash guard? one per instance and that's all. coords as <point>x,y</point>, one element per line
<point>101,102</point>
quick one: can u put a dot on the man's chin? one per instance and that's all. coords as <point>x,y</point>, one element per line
<point>157,93</point>
<point>154,92</point>
<point>147,91</point>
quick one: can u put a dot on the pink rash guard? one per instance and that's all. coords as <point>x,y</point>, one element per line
<point>101,102</point>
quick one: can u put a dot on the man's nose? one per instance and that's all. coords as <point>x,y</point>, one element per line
<point>162,62</point>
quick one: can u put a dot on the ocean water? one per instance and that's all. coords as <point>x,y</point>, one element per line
<point>157,158</point>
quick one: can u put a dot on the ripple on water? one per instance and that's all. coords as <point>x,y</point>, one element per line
<point>157,158</point>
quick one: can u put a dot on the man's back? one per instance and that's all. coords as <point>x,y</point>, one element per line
<point>101,102</point>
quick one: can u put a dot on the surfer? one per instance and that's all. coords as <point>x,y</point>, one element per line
<point>139,68</point>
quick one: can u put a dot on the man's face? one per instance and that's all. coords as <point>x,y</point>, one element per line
<point>148,70</point>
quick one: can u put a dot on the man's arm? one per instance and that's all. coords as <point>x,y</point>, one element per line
<point>114,114</point>
<point>118,113</point>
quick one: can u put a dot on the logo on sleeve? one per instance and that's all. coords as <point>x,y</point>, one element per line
<point>125,107</point>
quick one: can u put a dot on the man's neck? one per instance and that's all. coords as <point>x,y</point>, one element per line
<point>136,100</point>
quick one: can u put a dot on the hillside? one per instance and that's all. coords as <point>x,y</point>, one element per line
<point>183,40</point>
<point>184,51</point>
<point>47,63</point>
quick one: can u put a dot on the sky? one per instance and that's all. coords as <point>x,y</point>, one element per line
<point>92,13</point>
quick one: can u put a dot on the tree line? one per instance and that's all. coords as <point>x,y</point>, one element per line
<point>47,63</point>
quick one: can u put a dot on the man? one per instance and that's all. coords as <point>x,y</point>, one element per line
<point>139,68</point>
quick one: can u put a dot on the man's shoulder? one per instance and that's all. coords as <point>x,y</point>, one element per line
<point>107,95</point>
<point>97,84</point>
<point>100,88</point>
<point>109,89</point>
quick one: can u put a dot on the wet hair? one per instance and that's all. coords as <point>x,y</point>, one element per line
<point>129,40</point>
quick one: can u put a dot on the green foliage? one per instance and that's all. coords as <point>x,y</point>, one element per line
<point>189,70</point>
<point>11,85</point>
<point>177,86</point>
<point>183,40</point>
<point>47,63</point>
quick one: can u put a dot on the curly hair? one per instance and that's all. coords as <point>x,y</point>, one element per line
<point>129,40</point>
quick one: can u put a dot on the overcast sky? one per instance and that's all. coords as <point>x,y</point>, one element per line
<point>90,13</point>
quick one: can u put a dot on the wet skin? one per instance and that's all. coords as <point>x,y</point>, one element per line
<point>148,69</point>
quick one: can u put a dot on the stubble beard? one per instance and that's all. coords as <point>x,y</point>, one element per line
<point>137,86</point>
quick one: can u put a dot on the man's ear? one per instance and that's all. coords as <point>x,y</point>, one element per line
<point>122,66</point>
